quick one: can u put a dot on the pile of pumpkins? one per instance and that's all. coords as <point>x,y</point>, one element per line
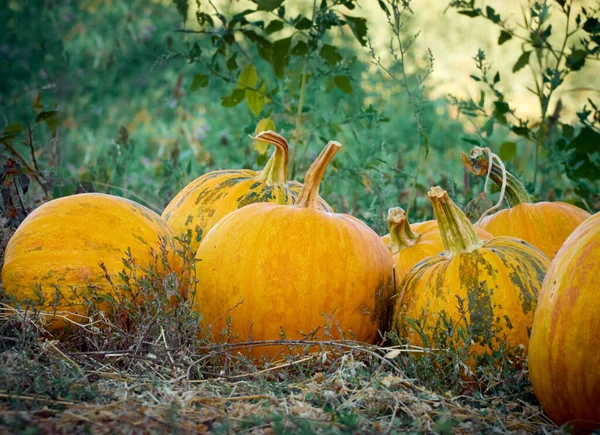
<point>273,258</point>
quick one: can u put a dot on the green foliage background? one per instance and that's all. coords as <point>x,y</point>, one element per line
<point>120,100</point>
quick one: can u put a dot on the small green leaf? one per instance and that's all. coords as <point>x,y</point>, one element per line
<point>359,28</point>
<point>281,56</point>
<point>256,100</point>
<point>300,49</point>
<point>384,7</point>
<point>268,5</point>
<point>508,151</point>
<point>248,77</point>
<point>200,81</point>
<point>13,128</point>
<point>43,116</point>
<point>492,15</point>
<point>303,24</point>
<point>236,97</point>
<point>470,12</point>
<point>522,61</point>
<point>344,83</point>
<point>568,131</point>
<point>232,62</point>
<point>504,36</point>
<point>330,54</point>
<point>576,60</point>
<point>274,26</point>
<point>497,77</point>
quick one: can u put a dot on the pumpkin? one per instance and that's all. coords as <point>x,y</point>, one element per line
<point>489,288</point>
<point>52,260</point>
<point>268,269</point>
<point>206,200</point>
<point>564,353</point>
<point>410,244</point>
<point>545,225</point>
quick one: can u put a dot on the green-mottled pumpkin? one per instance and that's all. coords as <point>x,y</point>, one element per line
<point>53,259</point>
<point>546,225</point>
<point>209,198</point>
<point>489,288</point>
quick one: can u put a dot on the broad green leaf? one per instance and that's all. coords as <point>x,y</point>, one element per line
<point>200,81</point>
<point>274,26</point>
<point>504,36</point>
<point>256,100</point>
<point>343,82</point>
<point>303,24</point>
<point>13,128</point>
<point>359,28</point>
<point>508,151</point>
<point>232,62</point>
<point>235,98</point>
<point>522,61</point>
<point>268,5</point>
<point>281,56</point>
<point>300,49</point>
<point>248,77</point>
<point>330,54</point>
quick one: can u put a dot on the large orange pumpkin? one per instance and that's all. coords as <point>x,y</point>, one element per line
<point>411,243</point>
<point>269,270</point>
<point>564,353</point>
<point>52,260</point>
<point>546,225</point>
<point>489,288</point>
<point>206,200</point>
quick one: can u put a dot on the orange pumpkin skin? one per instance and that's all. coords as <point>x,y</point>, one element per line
<point>497,281</point>
<point>209,198</point>
<point>53,258</point>
<point>564,354</point>
<point>409,248</point>
<point>271,268</point>
<point>546,225</point>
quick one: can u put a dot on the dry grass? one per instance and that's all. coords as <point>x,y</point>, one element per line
<point>345,387</point>
<point>151,371</point>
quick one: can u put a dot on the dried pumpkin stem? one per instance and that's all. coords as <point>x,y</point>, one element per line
<point>276,169</point>
<point>309,195</point>
<point>400,233</point>
<point>457,232</point>
<point>478,163</point>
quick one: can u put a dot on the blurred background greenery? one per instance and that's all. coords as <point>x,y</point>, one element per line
<point>139,97</point>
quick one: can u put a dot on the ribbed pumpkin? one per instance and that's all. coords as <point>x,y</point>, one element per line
<point>275,269</point>
<point>411,243</point>
<point>546,225</point>
<point>53,258</point>
<point>206,200</point>
<point>496,281</point>
<point>564,353</point>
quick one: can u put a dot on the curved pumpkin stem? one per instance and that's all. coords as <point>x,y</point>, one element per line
<point>479,164</point>
<point>400,233</point>
<point>309,194</point>
<point>276,169</point>
<point>457,232</point>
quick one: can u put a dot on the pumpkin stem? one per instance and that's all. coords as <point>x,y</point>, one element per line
<point>457,232</point>
<point>309,194</point>
<point>478,163</point>
<point>276,169</point>
<point>400,233</point>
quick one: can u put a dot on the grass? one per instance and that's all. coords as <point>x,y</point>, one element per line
<point>122,371</point>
